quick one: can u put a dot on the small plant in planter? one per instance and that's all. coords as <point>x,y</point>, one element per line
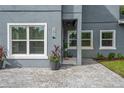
<point>55,58</point>
<point>2,57</point>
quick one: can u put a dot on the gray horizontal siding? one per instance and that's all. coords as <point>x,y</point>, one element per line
<point>30,7</point>
<point>53,19</point>
<point>71,9</point>
<point>100,13</point>
<point>102,17</point>
<point>96,27</point>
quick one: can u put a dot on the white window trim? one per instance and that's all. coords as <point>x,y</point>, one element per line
<point>70,47</point>
<point>25,56</point>
<point>113,40</point>
<point>91,39</point>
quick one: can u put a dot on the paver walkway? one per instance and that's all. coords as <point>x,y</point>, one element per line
<point>87,75</point>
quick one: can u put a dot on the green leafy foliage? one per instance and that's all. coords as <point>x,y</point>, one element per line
<point>111,56</point>
<point>54,59</point>
<point>65,45</point>
<point>55,56</point>
<point>100,56</point>
<point>73,35</point>
<point>122,10</point>
<point>120,56</point>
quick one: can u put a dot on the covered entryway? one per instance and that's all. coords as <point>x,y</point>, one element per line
<point>72,26</point>
<point>70,42</point>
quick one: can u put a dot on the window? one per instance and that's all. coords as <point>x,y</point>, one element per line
<point>87,39</point>
<point>107,39</point>
<point>72,39</point>
<point>27,40</point>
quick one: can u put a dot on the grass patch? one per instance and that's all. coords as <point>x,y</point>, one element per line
<point>117,66</point>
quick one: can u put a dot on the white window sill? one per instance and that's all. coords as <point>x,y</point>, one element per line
<point>83,48</point>
<point>107,48</point>
<point>27,57</point>
<point>72,48</point>
<point>87,48</point>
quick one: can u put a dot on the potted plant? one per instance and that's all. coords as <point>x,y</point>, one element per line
<point>55,58</point>
<point>2,57</point>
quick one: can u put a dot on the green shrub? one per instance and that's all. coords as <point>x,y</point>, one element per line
<point>111,56</point>
<point>100,56</point>
<point>120,56</point>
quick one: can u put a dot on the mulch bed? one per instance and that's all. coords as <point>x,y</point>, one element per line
<point>106,59</point>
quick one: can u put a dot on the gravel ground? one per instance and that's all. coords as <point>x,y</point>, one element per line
<point>88,75</point>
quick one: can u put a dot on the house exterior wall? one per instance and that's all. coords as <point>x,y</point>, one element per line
<point>98,18</point>
<point>92,17</point>
<point>31,14</point>
<point>96,27</point>
<point>28,8</point>
<point>100,13</point>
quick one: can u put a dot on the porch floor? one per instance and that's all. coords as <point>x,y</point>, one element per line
<point>73,61</point>
<point>70,61</point>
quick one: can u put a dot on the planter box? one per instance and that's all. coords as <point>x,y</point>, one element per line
<point>55,66</point>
